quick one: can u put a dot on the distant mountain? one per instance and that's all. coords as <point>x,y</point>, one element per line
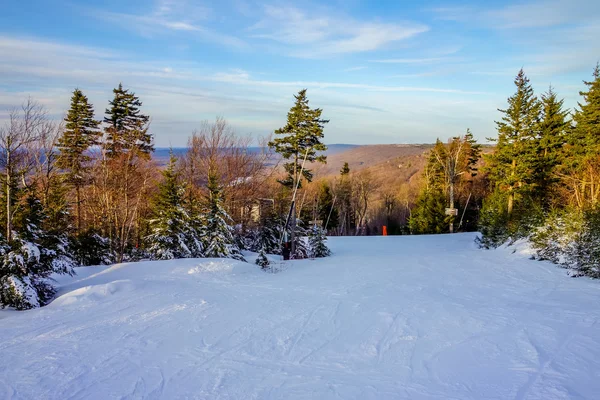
<point>161,154</point>
<point>362,157</point>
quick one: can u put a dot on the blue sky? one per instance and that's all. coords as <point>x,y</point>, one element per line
<point>384,72</point>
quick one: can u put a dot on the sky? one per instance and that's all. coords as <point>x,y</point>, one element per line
<point>390,71</point>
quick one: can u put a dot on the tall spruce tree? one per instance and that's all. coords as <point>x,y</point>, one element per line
<point>126,127</point>
<point>172,235</point>
<point>299,142</point>
<point>300,138</point>
<point>513,164</point>
<point>81,132</point>
<point>553,131</point>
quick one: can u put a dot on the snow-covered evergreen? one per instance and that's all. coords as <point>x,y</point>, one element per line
<point>301,243</point>
<point>218,238</point>
<point>172,233</point>
<point>262,261</point>
<point>267,236</point>
<point>28,261</point>
<point>317,240</point>
<point>91,248</point>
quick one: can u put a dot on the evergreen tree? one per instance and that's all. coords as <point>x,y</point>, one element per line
<point>300,137</point>
<point>218,240</point>
<point>30,258</point>
<point>344,200</point>
<point>512,165</point>
<point>269,235</point>
<point>81,132</point>
<point>318,248</point>
<point>428,215</point>
<point>126,127</point>
<point>582,160</point>
<point>554,127</point>
<point>89,247</point>
<point>172,236</point>
<point>300,242</point>
<point>262,261</point>
<point>473,153</point>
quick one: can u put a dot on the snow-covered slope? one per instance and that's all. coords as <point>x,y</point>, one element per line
<point>429,317</point>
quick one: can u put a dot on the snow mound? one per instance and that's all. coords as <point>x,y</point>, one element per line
<point>95,293</point>
<point>221,266</point>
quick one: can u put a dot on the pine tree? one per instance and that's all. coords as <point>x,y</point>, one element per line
<point>428,215</point>
<point>301,138</point>
<point>269,235</point>
<point>554,127</point>
<point>344,200</point>
<point>512,166</point>
<point>318,248</point>
<point>126,127</point>
<point>30,258</point>
<point>81,132</point>
<point>584,146</point>
<point>473,153</point>
<point>218,240</point>
<point>262,261</point>
<point>127,149</point>
<point>172,236</point>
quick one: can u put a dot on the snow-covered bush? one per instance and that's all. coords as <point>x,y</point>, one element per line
<point>555,239</point>
<point>317,240</point>
<point>493,221</point>
<point>571,239</point>
<point>498,227</point>
<point>29,259</point>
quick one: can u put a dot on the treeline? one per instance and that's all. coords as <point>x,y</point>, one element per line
<point>545,177</point>
<point>87,192</point>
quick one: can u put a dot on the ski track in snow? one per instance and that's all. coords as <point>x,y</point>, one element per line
<point>419,317</point>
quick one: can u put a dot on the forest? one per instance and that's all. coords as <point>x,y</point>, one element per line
<point>83,191</point>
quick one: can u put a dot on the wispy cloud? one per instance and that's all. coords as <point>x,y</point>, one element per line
<point>171,16</point>
<point>352,69</point>
<point>324,34</point>
<point>240,77</point>
<point>533,14</point>
<point>410,60</point>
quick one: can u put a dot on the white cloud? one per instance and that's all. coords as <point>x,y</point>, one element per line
<point>323,34</point>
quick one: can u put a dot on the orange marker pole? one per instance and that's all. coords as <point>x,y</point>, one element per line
<point>384,230</point>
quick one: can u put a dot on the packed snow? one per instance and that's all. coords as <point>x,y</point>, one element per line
<point>414,317</point>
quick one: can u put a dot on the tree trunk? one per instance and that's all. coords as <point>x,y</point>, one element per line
<point>452,207</point>
<point>78,202</point>
<point>8,195</point>
<point>293,233</point>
